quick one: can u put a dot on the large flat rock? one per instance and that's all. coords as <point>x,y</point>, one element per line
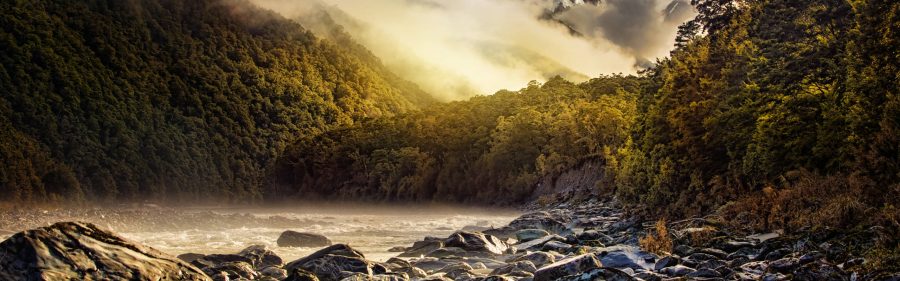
<point>82,251</point>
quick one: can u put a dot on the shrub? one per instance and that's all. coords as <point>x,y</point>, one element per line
<point>658,241</point>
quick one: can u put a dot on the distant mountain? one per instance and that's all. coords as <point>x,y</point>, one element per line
<point>169,99</point>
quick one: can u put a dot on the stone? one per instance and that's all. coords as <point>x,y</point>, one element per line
<point>478,242</point>
<point>291,238</point>
<point>336,249</point>
<point>261,257</point>
<point>699,257</point>
<point>526,235</point>
<point>218,259</point>
<point>714,252</point>
<point>526,266</point>
<point>540,220</point>
<point>819,270</point>
<point>233,270</point>
<point>777,254</point>
<point>599,274</point>
<point>539,259</point>
<point>677,271</point>
<point>810,257</point>
<point>447,252</point>
<point>189,257</point>
<point>331,267</point>
<point>664,262</point>
<point>784,265</point>
<point>274,272</point>
<point>413,272</point>
<point>711,264</point>
<point>567,267</point>
<point>78,251</point>
<point>704,273</point>
<point>422,248</point>
<point>589,235</point>
<point>555,246</point>
<point>683,250</point>
<point>621,257</point>
<point>398,263</point>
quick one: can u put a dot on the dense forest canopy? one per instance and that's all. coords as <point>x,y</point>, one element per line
<point>169,99</point>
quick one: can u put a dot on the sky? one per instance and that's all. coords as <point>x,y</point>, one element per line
<point>460,48</point>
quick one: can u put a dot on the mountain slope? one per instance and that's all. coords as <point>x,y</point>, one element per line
<point>168,99</point>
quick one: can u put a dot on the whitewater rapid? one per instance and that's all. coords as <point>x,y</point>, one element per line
<point>371,230</point>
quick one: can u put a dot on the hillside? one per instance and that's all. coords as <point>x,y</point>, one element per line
<point>168,99</point>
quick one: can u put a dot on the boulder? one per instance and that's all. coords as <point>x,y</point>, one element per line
<point>79,251</point>
<point>291,238</point>
<point>233,270</point>
<point>622,257</point>
<point>189,257</point>
<point>301,275</point>
<point>526,235</point>
<point>477,242</point>
<point>333,267</point>
<point>539,259</point>
<point>555,246</point>
<point>566,267</point>
<point>422,248</point>
<point>604,274</point>
<point>526,266</point>
<point>218,259</point>
<point>540,220</point>
<point>261,257</point>
<point>677,271</point>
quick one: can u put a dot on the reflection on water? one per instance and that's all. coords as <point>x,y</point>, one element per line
<point>372,231</point>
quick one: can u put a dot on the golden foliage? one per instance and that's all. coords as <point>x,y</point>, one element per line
<point>658,241</point>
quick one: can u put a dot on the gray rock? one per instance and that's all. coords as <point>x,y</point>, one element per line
<point>331,267</point>
<point>261,257</point>
<point>77,251</point>
<point>677,271</point>
<point>233,270</point>
<point>589,235</point>
<point>664,262</point>
<point>413,272</point>
<point>704,273</point>
<point>421,248</point>
<point>621,257</point>
<point>274,272</point>
<point>526,266</point>
<point>567,267</point>
<point>526,235</point>
<point>683,250</point>
<point>599,274</point>
<point>555,246</point>
<point>784,265</point>
<point>540,220</point>
<point>189,257</point>
<point>291,238</point>
<point>447,252</point>
<point>539,259</point>
<point>821,271</point>
<point>478,242</point>
<point>714,252</point>
<point>337,249</point>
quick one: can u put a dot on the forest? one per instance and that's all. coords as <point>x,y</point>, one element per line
<point>182,101</point>
<point>775,113</point>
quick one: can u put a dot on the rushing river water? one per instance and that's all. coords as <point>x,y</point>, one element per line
<point>370,230</point>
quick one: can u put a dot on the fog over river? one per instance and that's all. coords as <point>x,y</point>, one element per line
<point>372,229</point>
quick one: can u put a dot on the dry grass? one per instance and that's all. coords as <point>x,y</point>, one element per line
<point>658,241</point>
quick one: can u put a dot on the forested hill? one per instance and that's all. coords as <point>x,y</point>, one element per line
<point>777,114</point>
<point>151,99</point>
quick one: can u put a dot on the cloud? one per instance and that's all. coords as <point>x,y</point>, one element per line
<point>456,49</point>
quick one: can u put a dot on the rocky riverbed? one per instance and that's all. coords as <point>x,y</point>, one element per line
<point>592,240</point>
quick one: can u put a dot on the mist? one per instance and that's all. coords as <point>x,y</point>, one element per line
<point>458,49</point>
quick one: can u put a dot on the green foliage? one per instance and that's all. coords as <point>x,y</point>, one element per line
<point>488,149</point>
<point>759,89</point>
<point>168,99</point>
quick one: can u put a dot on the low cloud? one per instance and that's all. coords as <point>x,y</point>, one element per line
<point>456,49</point>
